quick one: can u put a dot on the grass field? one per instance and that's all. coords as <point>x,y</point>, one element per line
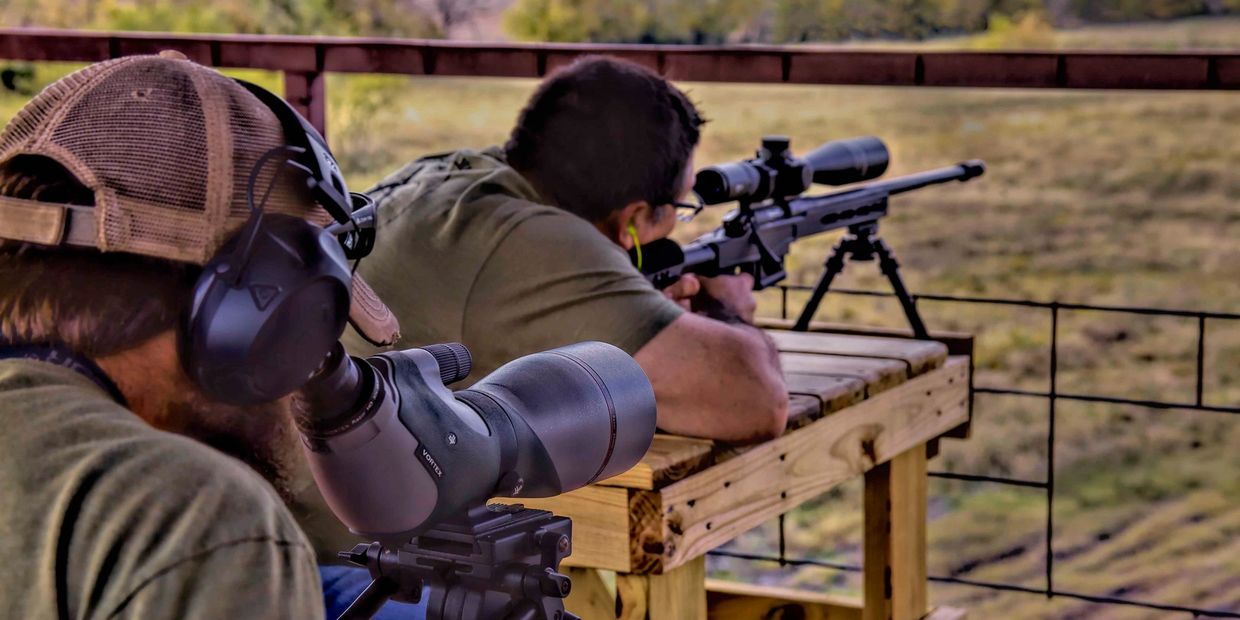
<point>1128,198</point>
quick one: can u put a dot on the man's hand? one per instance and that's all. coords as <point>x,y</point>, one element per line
<point>684,290</point>
<point>732,294</point>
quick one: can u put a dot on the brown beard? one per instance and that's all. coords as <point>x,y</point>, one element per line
<point>261,436</point>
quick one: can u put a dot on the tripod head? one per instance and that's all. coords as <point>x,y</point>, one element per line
<point>498,561</point>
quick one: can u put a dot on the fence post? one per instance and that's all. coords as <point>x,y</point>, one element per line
<point>308,94</point>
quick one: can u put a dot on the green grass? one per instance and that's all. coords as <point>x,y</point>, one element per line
<point>1127,198</point>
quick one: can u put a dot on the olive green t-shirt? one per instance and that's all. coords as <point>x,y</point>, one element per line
<point>467,253</point>
<point>103,516</point>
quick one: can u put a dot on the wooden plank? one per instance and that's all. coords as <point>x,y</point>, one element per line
<point>670,458</point>
<point>714,506</point>
<point>958,343</point>
<point>1013,69</point>
<point>646,538</point>
<point>802,409</point>
<point>908,535</point>
<point>307,94</point>
<point>833,392</point>
<point>894,580</point>
<point>876,541</point>
<point>679,594</point>
<point>600,525</point>
<point>878,375</point>
<point>732,600</point>
<point>589,598</point>
<point>919,355</point>
<point>947,613</point>
<point>632,596</point>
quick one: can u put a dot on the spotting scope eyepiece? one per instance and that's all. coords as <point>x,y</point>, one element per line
<point>395,452</point>
<point>775,173</point>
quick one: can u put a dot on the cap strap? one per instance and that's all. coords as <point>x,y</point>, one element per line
<point>45,223</point>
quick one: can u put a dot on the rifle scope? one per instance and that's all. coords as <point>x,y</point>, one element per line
<point>775,173</point>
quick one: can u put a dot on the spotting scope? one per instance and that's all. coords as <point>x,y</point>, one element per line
<point>395,452</point>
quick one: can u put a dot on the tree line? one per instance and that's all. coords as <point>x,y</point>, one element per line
<point>616,21</point>
<point>795,21</point>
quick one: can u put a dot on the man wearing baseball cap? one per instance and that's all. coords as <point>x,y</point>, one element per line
<point>127,488</point>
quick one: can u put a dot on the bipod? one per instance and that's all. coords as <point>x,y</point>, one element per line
<point>862,244</point>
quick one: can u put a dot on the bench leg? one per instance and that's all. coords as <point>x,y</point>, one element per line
<point>590,597</point>
<point>678,594</point>
<point>895,538</point>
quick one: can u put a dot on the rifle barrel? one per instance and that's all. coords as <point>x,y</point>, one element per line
<point>962,171</point>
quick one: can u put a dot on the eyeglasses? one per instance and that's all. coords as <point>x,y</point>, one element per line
<point>689,210</point>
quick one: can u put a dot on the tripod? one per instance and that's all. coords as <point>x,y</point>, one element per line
<point>497,561</point>
<point>863,244</point>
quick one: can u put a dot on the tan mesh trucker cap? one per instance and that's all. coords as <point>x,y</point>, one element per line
<point>167,147</point>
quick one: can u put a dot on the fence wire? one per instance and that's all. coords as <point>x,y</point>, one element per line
<point>1051,396</point>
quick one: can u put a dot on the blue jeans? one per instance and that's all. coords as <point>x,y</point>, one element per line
<point>342,584</point>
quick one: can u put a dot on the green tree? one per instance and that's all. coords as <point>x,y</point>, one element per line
<point>404,18</point>
<point>576,20</point>
<point>798,21</point>
<point>1128,10</point>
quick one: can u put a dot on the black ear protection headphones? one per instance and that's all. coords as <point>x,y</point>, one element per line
<point>274,299</point>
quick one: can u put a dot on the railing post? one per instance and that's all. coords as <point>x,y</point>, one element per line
<point>308,94</point>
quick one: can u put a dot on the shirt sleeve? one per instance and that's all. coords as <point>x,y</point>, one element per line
<point>554,280</point>
<point>248,578</point>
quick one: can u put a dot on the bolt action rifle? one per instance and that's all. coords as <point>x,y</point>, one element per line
<point>772,213</point>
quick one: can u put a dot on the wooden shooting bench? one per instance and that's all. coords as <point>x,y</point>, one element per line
<point>860,406</point>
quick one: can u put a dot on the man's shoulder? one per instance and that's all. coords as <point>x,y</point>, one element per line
<point>450,181</point>
<point>67,432</point>
<point>551,233</point>
<point>134,503</point>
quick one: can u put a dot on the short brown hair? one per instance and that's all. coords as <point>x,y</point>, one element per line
<point>95,303</point>
<point>603,133</point>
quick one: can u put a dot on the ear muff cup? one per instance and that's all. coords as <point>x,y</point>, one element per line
<point>258,331</point>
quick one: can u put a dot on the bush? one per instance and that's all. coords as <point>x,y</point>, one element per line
<point>1029,31</point>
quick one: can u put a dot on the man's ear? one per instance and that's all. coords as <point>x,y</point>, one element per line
<point>616,226</point>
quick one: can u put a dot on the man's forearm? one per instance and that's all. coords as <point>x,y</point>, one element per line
<point>714,309</point>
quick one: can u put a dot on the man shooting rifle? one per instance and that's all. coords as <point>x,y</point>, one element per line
<point>522,248</point>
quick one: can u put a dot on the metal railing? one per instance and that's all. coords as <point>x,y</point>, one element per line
<point>1052,396</point>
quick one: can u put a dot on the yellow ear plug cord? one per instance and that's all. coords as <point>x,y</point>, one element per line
<point>637,245</point>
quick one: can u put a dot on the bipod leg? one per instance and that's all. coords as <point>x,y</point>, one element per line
<point>367,603</point>
<point>832,267</point>
<point>891,268</point>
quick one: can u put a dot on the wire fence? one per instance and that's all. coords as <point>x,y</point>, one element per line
<point>1051,396</point>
